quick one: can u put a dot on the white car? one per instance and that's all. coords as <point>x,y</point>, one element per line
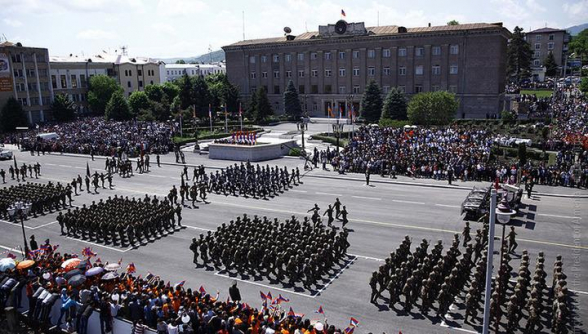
<point>5,155</point>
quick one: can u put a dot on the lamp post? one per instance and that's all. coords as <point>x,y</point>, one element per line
<point>301,125</point>
<point>503,215</point>
<point>489,260</point>
<point>19,211</point>
<point>337,129</point>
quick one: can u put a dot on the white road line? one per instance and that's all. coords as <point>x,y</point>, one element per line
<point>558,216</point>
<point>363,197</point>
<point>198,228</point>
<point>160,176</point>
<point>264,285</point>
<point>14,224</point>
<point>36,227</point>
<point>366,257</point>
<point>298,191</point>
<point>12,249</point>
<point>334,277</point>
<point>407,202</point>
<point>443,324</point>
<point>78,167</point>
<point>99,245</point>
<point>448,206</point>
<point>328,194</point>
<point>67,166</point>
<point>48,164</point>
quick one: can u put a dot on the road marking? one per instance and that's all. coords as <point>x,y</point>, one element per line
<point>198,228</point>
<point>334,277</point>
<point>366,257</point>
<point>14,224</point>
<point>362,197</point>
<point>298,191</point>
<point>553,244</point>
<point>443,324</point>
<point>67,166</point>
<point>12,249</point>
<point>160,176</point>
<point>558,216</point>
<point>99,245</point>
<point>48,164</point>
<point>328,194</point>
<point>448,206</point>
<point>36,227</point>
<point>264,285</point>
<point>407,202</point>
<point>78,167</point>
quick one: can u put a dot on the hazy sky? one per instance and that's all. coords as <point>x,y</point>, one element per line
<point>181,28</point>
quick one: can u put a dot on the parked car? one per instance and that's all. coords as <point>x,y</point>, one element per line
<point>5,155</point>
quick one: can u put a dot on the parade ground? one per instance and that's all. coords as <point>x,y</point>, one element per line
<point>380,216</point>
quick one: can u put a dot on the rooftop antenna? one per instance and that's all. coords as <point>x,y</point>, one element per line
<point>243,25</point>
<point>124,50</point>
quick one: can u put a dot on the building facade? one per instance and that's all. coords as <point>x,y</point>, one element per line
<point>24,75</point>
<point>543,42</point>
<point>172,72</point>
<point>332,67</point>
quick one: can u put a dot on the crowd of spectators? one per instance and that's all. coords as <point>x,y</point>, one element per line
<point>145,301</point>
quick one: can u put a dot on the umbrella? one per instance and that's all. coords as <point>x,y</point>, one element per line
<point>94,271</point>
<point>25,264</point>
<point>7,263</point>
<point>112,267</point>
<point>72,273</point>
<point>70,264</point>
<point>84,264</point>
<point>77,280</point>
<point>109,276</point>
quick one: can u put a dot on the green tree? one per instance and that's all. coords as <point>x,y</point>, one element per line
<point>200,96</point>
<point>518,56</point>
<point>62,108</point>
<point>250,111</point>
<point>579,44</point>
<point>155,92</point>
<point>138,101</point>
<point>161,111</point>
<point>584,85</point>
<point>371,102</point>
<point>171,90</point>
<point>432,108</point>
<point>453,23</point>
<point>394,105</point>
<point>550,65</point>
<point>12,115</point>
<point>291,102</point>
<point>117,108</point>
<point>185,91</point>
<point>231,96</point>
<point>263,107</point>
<point>180,61</point>
<point>101,89</point>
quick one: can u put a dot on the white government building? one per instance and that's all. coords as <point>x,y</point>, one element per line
<point>172,72</point>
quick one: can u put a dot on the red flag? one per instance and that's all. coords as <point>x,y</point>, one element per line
<point>202,291</point>
<point>343,13</point>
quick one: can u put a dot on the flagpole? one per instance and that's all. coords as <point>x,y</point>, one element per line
<point>226,121</point>
<point>210,116</point>
<point>241,116</point>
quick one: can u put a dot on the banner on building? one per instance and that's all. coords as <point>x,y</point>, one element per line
<point>5,75</point>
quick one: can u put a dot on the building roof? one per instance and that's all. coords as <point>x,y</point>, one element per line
<point>104,57</point>
<point>545,30</point>
<point>374,31</point>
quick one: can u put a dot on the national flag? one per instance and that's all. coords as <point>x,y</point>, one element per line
<point>87,252</point>
<point>262,295</point>
<point>353,322</point>
<point>10,255</point>
<point>201,290</point>
<point>245,306</point>
<point>343,13</point>
<point>269,296</point>
<point>291,312</point>
<point>282,299</point>
<point>131,268</point>
<point>55,247</point>
<point>98,260</point>
<point>120,261</point>
<point>180,283</point>
<point>320,310</point>
<point>88,169</point>
<point>168,284</point>
<point>349,330</point>
<point>149,276</point>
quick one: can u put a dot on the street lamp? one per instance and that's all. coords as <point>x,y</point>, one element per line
<point>20,210</point>
<point>301,125</point>
<point>503,215</point>
<point>337,129</point>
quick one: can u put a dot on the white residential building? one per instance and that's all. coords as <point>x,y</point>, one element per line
<point>172,72</point>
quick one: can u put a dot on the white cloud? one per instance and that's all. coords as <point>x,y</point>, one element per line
<point>577,10</point>
<point>164,29</point>
<point>96,34</point>
<point>12,22</point>
<point>180,7</point>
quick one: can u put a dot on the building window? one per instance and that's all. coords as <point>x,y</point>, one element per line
<point>418,70</point>
<point>536,63</point>
<point>276,58</point>
<point>402,52</point>
<point>436,88</point>
<point>537,46</point>
<point>341,72</point>
<point>538,38</point>
<point>276,89</point>
<point>454,49</point>
<point>385,89</point>
<point>252,59</point>
<point>301,73</point>
<point>328,89</point>
<point>371,53</point>
<point>386,53</point>
<point>63,81</point>
<point>74,81</point>
<point>402,89</point>
<point>314,73</point>
<point>418,89</point>
<point>356,89</point>
<point>83,80</point>
<point>550,46</point>
<point>314,89</point>
<point>419,52</point>
<point>264,59</point>
<point>342,90</point>
<point>551,37</point>
<point>300,56</point>
<point>453,89</point>
<point>386,71</point>
<point>253,89</point>
<point>327,73</point>
<point>536,54</point>
<point>327,56</point>
<point>356,72</point>
<point>402,70</point>
<point>253,75</point>
<point>453,69</point>
<point>301,89</point>
<point>264,75</point>
<point>371,71</point>
<point>129,84</point>
<point>54,81</point>
<point>16,59</point>
<point>313,56</point>
<point>288,74</point>
<point>139,72</point>
<point>341,55</point>
<point>288,58</point>
<point>355,54</point>
<point>436,70</point>
<point>436,51</point>
<point>277,74</point>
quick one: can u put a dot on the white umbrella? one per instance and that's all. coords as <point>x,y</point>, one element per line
<point>7,263</point>
<point>112,267</point>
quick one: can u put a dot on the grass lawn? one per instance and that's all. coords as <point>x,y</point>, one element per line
<point>539,92</point>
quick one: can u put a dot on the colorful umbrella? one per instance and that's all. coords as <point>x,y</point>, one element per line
<point>70,264</point>
<point>112,267</point>
<point>94,271</point>
<point>109,276</point>
<point>25,264</point>
<point>72,273</point>
<point>7,263</point>
<point>84,264</point>
<point>76,280</point>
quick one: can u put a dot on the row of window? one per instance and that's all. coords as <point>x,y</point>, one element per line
<point>35,101</point>
<point>328,89</point>
<point>17,58</point>
<point>551,37</point>
<point>418,70</point>
<point>550,46</point>
<point>31,86</point>
<point>129,73</point>
<point>73,81</point>
<point>371,53</point>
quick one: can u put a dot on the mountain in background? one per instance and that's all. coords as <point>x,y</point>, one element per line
<point>575,30</point>
<point>214,56</point>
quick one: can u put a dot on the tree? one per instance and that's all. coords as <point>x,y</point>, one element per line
<point>62,108</point>
<point>185,91</point>
<point>12,115</point>
<point>522,154</point>
<point>518,56</point>
<point>394,105</point>
<point>250,111</point>
<point>584,85</point>
<point>139,101</point>
<point>117,108</point>
<point>550,65</point>
<point>263,107</point>
<point>371,102</point>
<point>453,23</point>
<point>180,61</point>
<point>230,96</point>
<point>291,102</point>
<point>101,89</point>
<point>579,44</point>
<point>200,96</point>
<point>171,91</point>
<point>432,108</point>
<point>154,92</point>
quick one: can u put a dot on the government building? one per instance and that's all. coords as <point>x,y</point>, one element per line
<point>331,67</point>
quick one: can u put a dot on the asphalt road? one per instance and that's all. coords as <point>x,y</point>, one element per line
<point>380,216</point>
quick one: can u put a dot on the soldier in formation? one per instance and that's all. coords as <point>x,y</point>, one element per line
<point>42,197</point>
